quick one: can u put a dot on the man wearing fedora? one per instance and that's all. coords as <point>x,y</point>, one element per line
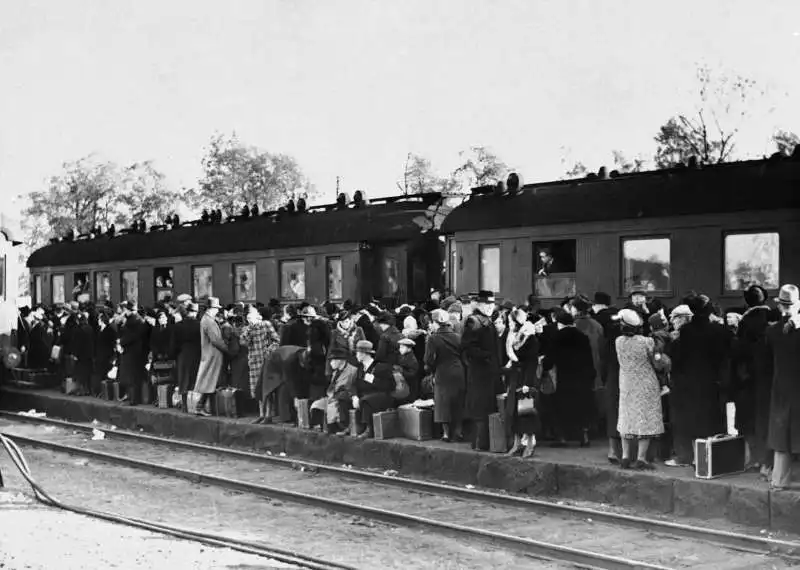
<point>481,352</point>
<point>388,348</point>
<point>212,355</point>
<point>374,387</point>
<point>134,347</point>
<point>185,350</point>
<point>783,339</point>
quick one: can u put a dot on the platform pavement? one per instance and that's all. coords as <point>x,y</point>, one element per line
<point>571,473</point>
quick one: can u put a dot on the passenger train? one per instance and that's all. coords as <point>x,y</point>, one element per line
<point>714,229</point>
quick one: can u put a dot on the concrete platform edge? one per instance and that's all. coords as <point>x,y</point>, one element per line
<point>653,492</point>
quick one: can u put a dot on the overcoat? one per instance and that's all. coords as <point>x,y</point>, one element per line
<point>443,359</point>
<point>700,366</point>
<point>783,340</point>
<point>133,337</point>
<point>212,355</point>
<point>104,351</point>
<point>185,350</point>
<point>479,348</point>
<point>387,350</point>
<point>571,355</point>
<point>282,367</point>
<point>240,369</point>
<point>594,332</point>
<point>525,346</point>
<point>753,365</point>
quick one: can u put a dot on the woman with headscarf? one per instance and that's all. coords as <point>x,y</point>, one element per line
<point>261,339</point>
<point>443,360</point>
<point>640,416</point>
<point>522,349</point>
<point>345,335</point>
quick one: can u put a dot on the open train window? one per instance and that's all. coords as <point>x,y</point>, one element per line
<point>81,287</point>
<point>37,289</point>
<point>203,282</point>
<point>102,286</point>
<point>752,258</point>
<point>646,265</point>
<point>334,272</point>
<point>489,269</point>
<point>130,286</point>
<point>163,283</point>
<point>293,279</point>
<point>244,282</point>
<point>555,269</point>
<point>57,289</point>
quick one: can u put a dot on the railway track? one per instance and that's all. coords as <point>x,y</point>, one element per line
<point>563,533</point>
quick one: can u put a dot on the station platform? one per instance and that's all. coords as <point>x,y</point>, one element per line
<point>572,473</point>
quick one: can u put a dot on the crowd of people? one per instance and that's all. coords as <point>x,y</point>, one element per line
<point>559,375</point>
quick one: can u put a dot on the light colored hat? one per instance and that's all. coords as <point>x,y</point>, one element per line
<point>410,323</point>
<point>406,342</point>
<point>184,298</point>
<point>364,346</point>
<point>440,316</point>
<point>789,295</point>
<point>630,317</point>
<point>213,303</point>
<point>681,311</point>
<point>308,311</point>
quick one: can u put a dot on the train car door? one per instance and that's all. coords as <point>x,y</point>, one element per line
<point>391,275</point>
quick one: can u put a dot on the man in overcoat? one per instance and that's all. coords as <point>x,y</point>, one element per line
<point>133,342</point>
<point>212,355</point>
<point>783,339</point>
<point>481,354</point>
<point>185,350</point>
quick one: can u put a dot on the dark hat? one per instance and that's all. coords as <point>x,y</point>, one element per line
<point>373,310</point>
<point>193,307</point>
<point>507,305</point>
<point>485,296</point>
<point>700,305</point>
<point>385,317</point>
<point>445,304</point>
<point>755,295</point>
<point>339,353</point>
<point>657,321</point>
<point>637,290</point>
<point>601,298</point>
<point>582,303</point>
<point>564,318</point>
<point>126,305</point>
<point>343,314</point>
<point>150,313</point>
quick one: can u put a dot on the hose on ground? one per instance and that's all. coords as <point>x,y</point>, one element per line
<point>18,458</point>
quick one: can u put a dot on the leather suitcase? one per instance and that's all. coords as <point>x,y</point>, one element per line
<point>115,391</point>
<point>70,386</point>
<point>192,398</point>
<point>164,395</point>
<point>303,413</point>
<point>501,403</point>
<point>386,425</point>
<point>719,455</point>
<point>416,423</point>
<point>497,434</point>
<point>353,422</point>
<point>230,402</point>
<point>107,390</point>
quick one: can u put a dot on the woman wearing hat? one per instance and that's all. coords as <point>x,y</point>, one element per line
<point>345,335</point>
<point>640,416</point>
<point>259,339</point>
<point>522,348</point>
<point>443,360</point>
<point>783,340</point>
<point>700,365</point>
<point>185,350</point>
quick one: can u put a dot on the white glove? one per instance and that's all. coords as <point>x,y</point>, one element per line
<point>526,389</point>
<point>354,400</point>
<point>369,378</point>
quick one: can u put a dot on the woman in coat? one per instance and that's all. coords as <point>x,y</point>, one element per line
<point>133,340</point>
<point>212,355</point>
<point>344,336</point>
<point>261,339</point>
<point>443,360</point>
<point>522,348</point>
<point>240,372</point>
<point>103,351</point>
<point>571,356</point>
<point>185,350</point>
<point>699,366</point>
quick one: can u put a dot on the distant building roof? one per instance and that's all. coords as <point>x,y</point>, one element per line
<point>381,220</point>
<point>731,187</point>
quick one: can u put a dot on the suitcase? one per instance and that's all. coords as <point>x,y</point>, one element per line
<point>353,422</point>
<point>386,425</point>
<point>501,403</point>
<point>164,395</point>
<point>107,390</point>
<point>161,372</point>
<point>497,434</point>
<point>415,423</point>
<point>303,413</point>
<point>719,455</point>
<point>115,391</point>
<point>71,386</point>
<point>230,402</point>
<point>192,398</point>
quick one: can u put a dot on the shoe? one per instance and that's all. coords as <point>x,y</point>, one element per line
<point>529,451</point>
<point>203,413</point>
<point>625,463</point>
<point>674,463</point>
<point>644,466</point>
<point>516,448</point>
<point>613,460</point>
<point>446,438</point>
<point>364,435</point>
<point>259,420</point>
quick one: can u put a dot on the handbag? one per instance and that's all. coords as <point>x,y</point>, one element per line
<point>401,389</point>
<point>112,374</point>
<point>662,366</point>
<point>526,406</point>
<point>428,384</point>
<point>55,353</point>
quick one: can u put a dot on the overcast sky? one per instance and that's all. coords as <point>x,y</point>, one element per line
<point>350,87</point>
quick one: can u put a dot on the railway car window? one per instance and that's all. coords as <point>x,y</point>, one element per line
<point>37,289</point>
<point>489,276</point>
<point>244,277</point>
<point>555,269</point>
<point>293,279</point>
<point>130,286</point>
<point>57,282</point>
<point>646,264</point>
<point>163,283</point>
<point>752,259</point>
<point>203,282</point>
<point>334,272</point>
<point>81,287</point>
<point>391,276</point>
<point>102,286</point>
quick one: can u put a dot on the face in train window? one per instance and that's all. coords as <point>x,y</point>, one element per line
<point>555,269</point>
<point>334,271</point>
<point>391,277</point>
<point>752,259</point>
<point>203,281</point>
<point>80,287</point>
<point>102,286</point>
<point>293,279</point>
<point>130,286</point>
<point>245,281</point>
<point>163,283</point>
<point>646,264</point>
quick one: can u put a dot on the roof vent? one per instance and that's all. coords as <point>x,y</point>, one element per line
<point>254,210</point>
<point>245,212</point>
<point>602,174</point>
<point>614,174</point>
<point>591,176</point>
<point>499,188</point>
<point>513,183</point>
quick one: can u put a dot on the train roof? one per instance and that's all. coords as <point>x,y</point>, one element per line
<point>379,220</point>
<point>730,187</point>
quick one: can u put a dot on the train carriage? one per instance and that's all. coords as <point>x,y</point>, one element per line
<point>383,249</point>
<point>715,229</point>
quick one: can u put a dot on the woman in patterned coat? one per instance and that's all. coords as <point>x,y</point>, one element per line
<point>261,339</point>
